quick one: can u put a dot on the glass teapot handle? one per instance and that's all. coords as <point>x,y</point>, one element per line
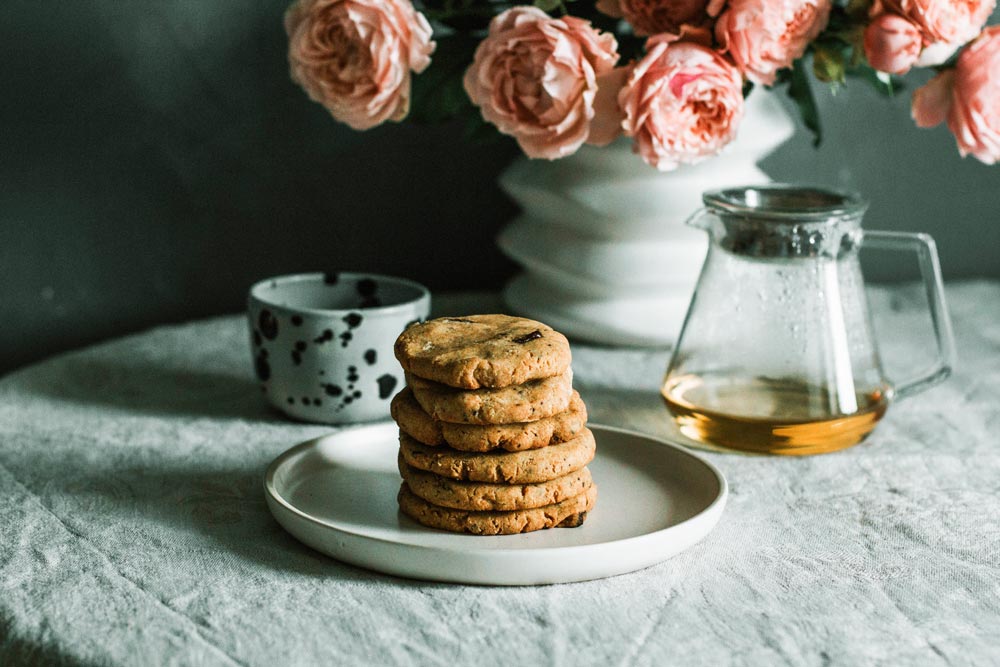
<point>930,271</point>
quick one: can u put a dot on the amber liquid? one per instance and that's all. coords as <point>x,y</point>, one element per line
<point>770,416</point>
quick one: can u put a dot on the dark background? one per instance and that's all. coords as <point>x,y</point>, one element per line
<point>155,160</point>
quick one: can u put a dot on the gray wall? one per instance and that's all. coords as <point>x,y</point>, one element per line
<point>155,160</point>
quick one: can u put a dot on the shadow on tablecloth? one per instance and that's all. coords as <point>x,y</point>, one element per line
<point>150,387</point>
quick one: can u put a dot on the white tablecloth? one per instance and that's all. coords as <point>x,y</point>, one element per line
<point>133,528</point>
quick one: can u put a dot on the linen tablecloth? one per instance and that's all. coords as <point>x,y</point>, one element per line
<point>133,528</point>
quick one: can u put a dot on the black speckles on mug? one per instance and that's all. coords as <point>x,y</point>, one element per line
<point>262,367</point>
<point>301,345</point>
<point>353,320</point>
<point>257,341</point>
<point>297,320</point>
<point>371,356</point>
<point>327,335</point>
<point>296,357</point>
<point>345,338</point>
<point>347,396</point>
<point>386,383</point>
<point>268,324</point>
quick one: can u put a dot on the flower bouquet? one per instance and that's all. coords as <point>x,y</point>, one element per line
<point>671,75</point>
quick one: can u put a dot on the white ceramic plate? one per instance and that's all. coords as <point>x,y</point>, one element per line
<point>337,494</point>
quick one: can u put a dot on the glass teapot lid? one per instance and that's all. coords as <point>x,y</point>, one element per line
<point>782,220</point>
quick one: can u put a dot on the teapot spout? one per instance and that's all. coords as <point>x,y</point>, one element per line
<point>701,219</point>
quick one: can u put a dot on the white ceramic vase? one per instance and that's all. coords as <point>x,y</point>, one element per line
<point>606,255</point>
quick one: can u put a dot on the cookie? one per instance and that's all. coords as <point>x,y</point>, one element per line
<point>478,496</point>
<point>482,438</point>
<point>483,351</point>
<point>568,513</point>
<point>412,419</point>
<point>528,467</point>
<point>526,402</point>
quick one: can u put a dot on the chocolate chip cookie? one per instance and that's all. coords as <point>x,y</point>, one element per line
<point>568,513</point>
<point>421,426</point>
<point>480,496</point>
<point>527,467</point>
<point>483,351</point>
<point>526,402</point>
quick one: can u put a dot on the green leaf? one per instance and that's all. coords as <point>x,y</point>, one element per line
<point>437,94</point>
<point>801,93</point>
<point>828,65</point>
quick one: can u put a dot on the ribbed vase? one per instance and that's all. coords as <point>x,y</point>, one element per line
<point>602,241</point>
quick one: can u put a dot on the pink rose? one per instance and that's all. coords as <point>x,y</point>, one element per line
<point>682,102</point>
<point>355,56</point>
<point>536,78</point>
<point>892,44</point>
<point>974,117</point>
<point>944,24</point>
<point>652,17</point>
<point>763,36</point>
<point>968,97</point>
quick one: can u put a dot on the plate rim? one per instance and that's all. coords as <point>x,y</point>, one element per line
<point>714,507</point>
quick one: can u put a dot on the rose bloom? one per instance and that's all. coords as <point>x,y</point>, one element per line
<point>355,56</point>
<point>682,103</point>
<point>892,43</point>
<point>536,78</point>
<point>652,17</point>
<point>944,24</point>
<point>763,36</point>
<point>969,98</point>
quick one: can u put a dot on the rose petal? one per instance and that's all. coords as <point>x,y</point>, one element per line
<point>932,101</point>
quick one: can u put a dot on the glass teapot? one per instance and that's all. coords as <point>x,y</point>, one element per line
<point>776,354</point>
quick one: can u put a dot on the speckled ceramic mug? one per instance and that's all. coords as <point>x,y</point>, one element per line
<point>322,342</point>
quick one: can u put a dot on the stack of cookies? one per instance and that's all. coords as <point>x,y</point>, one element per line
<point>492,436</point>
